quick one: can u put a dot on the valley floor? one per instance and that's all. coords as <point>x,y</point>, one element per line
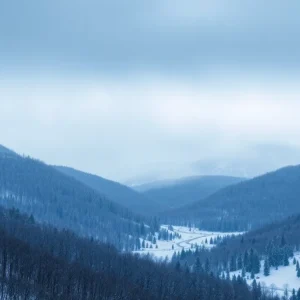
<point>189,239</point>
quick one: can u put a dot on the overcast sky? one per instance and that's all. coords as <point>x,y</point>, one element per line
<point>117,87</point>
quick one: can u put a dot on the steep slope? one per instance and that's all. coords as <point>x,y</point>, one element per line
<point>54,198</point>
<point>187,190</point>
<point>248,204</point>
<point>114,191</point>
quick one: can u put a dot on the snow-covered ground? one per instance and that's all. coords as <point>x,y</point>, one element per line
<point>278,280</point>
<point>189,238</point>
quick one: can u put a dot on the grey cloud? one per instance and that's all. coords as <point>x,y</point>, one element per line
<point>117,35</point>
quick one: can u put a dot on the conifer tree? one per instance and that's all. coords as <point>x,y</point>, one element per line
<point>240,262</point>
<point>286,260</point>
<point>232,265</point>
<point>197,266</point>
<point>293,295</point>
<point>207,265</point>
<point>266,267</point>
<point>243,272</point>
<point>298,294</point>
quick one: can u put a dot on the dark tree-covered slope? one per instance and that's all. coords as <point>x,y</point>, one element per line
<point>276,242</point>
<point>114,191</point>
<point>187,190</point>
<point>248,204</point>
<point>38,262</point>
<point>52,197</point>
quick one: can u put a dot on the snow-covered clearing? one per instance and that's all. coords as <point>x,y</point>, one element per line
<point>285,278</point>
<point>189,239</point>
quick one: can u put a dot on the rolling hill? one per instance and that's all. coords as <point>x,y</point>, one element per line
<point>54,198</point>
<point>246,205</point>
<point>177,193</point>
<point>114,191</point>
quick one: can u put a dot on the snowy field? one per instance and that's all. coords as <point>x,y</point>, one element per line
<point>189,239</point>
<point>285,278</point>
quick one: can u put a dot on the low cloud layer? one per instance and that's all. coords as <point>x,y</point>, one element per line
<point>117,128</point>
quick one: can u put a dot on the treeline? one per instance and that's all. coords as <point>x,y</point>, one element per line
<point>54,198</point>
<point>38,262</point>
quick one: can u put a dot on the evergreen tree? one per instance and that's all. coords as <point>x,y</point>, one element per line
<point>232,265</point>
<point>266,267</point>
<point>286,260</point>
<point>246,261</point>
<point>298,294</point>
<point>240,262</point>
<point>177,266</point>
<point>207,266</point>
<point>243,272</point>
<point>294,297</point>
<point>227,275</point>
<point>198,266</point>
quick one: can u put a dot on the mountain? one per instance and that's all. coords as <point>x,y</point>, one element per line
<point>4,150</point>
<point>246,205</point>
<point>176,193</point>
<point>114,191</point>
<point>54,198</point>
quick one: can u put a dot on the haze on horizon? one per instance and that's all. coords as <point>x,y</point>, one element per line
<point>139,89</point>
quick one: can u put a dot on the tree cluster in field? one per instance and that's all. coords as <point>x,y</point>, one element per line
<point>166,235</point>
<point>277,255</point>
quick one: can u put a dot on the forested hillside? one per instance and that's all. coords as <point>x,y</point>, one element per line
<point>275,243</point>
<point>54,198</point>
<point>184,191</point>
<point>44,263</point>
<point>246,205</point>
<point>114,191</point>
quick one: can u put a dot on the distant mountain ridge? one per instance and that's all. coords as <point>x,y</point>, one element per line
<point>248,204</point>
<point>115,191</point>
<point>180,192</point>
